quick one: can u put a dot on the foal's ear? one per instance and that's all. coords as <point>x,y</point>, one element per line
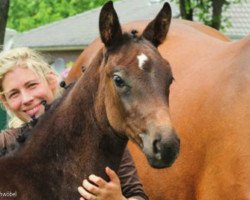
<point>109,25</point>
<point>157,29</point>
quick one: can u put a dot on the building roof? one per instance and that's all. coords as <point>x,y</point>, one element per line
<point>79,30</point>
<point>239,16</point>
<point>10,35</point>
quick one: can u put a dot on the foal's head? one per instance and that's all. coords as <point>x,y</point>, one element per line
<point>136,83</point>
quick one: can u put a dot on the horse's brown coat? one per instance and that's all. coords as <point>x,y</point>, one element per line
<point>210,108</point>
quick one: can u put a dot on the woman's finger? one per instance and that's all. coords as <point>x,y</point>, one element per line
<point>97,180</point>
<point>85,194</point>
<point>112,175</point>
<point>90,187</point>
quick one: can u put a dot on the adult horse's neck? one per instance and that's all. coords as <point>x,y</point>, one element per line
<point>71,140</point>
<point>187,46</point>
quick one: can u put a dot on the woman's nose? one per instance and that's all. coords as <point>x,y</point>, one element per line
<point>26,97</point>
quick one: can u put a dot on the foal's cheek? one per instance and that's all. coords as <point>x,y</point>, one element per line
<point>114,110</point>
<point>114,119</point>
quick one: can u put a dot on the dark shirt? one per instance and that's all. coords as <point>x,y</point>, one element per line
<point>130,183</point>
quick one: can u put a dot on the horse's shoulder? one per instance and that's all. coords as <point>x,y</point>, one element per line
<point>201,28</point>
<point>183,27</point>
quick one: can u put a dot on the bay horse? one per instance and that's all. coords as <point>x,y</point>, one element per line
<point>210,109</point>
<point>87,129</point>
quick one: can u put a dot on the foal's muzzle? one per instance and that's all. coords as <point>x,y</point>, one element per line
<point>162,149</point>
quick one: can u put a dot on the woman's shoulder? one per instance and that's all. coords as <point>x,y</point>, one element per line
<point>12,139</point>
<point>8,137</point>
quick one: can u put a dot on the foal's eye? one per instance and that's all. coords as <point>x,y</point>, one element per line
<point>119,82</point>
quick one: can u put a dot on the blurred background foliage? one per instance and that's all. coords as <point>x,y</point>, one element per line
<point>209,12</point>
<point>3,118</point>
<point>28,14</point>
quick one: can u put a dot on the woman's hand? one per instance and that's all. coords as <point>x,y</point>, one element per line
<point>102,190</point>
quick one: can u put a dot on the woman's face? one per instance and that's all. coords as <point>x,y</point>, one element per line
<point>24,90</point>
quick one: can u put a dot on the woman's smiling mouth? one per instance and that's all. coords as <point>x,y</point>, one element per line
<point>33,111</point>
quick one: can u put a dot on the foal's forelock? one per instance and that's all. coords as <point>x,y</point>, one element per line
<point>132,48</point>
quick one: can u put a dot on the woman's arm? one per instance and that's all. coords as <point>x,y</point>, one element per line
<point>130,182</point>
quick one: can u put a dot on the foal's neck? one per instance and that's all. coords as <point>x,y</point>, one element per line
<point>72,140</point>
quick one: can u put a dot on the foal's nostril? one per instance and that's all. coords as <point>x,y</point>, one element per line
<point>163,149</point>
<point>157,144</point>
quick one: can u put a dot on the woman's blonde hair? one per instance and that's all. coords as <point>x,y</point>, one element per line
<point>28,58</point>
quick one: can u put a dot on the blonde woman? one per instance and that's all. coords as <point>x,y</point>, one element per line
<point>25,81</point>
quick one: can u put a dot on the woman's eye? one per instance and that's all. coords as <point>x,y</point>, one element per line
<point>32,85</point>
<point>12,95</point>
<point>119,82</point>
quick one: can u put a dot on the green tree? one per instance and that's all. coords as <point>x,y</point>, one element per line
<point>4,7</point>
<point>27,14</point>
<point>207,11</point>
